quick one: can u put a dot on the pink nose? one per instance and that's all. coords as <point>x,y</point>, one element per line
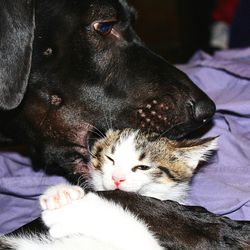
<point>118,178</point>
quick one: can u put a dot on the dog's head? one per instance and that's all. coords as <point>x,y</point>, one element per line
<point>73,68</point>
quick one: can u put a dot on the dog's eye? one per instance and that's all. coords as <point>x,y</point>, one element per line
<point>140,167</point>
<point>104,28</point>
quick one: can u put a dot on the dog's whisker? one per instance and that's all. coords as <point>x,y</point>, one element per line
<point>110,118</point>
<point>160,135</point>
<point>106,120</point>
<point>44,117</point>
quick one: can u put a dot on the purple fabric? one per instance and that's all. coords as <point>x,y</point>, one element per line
<point>20,188</point>
<point>222,186</point>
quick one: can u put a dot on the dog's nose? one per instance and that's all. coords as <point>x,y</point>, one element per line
<point>202,110</point>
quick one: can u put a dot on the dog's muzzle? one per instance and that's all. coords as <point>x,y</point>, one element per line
<point>154,115</point>
<point>159,116</point>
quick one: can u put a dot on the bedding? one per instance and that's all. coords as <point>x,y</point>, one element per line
<point>222,186</point>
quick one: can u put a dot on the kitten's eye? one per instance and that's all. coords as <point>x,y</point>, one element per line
<point>103,28</point>
<point>110,159</point>
<point>140,167</point>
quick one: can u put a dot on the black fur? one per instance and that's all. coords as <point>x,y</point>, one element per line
<point>185,227</point>
<point>79,80</point>
<point>16,41</point>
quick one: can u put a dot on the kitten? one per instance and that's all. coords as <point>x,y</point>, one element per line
<point>84,221</point>
<point>128,160</point>
<point>148,164</point>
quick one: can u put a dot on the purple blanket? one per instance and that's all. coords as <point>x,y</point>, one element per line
<point>20,188</point>
<point>222,186</point>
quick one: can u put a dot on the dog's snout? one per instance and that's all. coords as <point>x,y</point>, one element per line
<point>154,114</point>
<point>163,115</point>
<point>202,110</point>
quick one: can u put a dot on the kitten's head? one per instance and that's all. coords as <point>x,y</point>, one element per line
<point>129,160</point>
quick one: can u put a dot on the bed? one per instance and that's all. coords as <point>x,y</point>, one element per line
<point>222,185</point>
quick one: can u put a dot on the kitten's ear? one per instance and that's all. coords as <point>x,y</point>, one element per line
<point>195,151</point>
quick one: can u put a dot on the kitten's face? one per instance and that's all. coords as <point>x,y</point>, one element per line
<point>130,160</point>
<point>124,164</point>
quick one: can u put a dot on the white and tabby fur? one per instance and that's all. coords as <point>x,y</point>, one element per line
<point>120,151</point>
<point>79,221</point>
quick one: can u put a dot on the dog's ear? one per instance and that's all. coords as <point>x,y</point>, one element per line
<point>17,26</point>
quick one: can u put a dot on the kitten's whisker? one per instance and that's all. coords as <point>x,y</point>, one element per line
<point>90,185</point>
<point>83,184</point>
<point>92,138</point>
<point>96,131</point>
<point>79,180</point>
<point>89,151</point>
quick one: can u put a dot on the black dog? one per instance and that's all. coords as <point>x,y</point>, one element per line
<point>68,65</point>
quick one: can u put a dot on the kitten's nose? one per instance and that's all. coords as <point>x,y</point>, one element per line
<point>118,178</point>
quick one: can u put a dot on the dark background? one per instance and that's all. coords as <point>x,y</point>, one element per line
<point>174,28</point>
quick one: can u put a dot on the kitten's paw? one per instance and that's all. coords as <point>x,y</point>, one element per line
<point>60,195</point>
<point>58,222</point>
<point>68,219</point>
<point>74,218</point>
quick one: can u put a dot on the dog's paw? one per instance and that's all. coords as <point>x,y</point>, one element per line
<point>60,195</point>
